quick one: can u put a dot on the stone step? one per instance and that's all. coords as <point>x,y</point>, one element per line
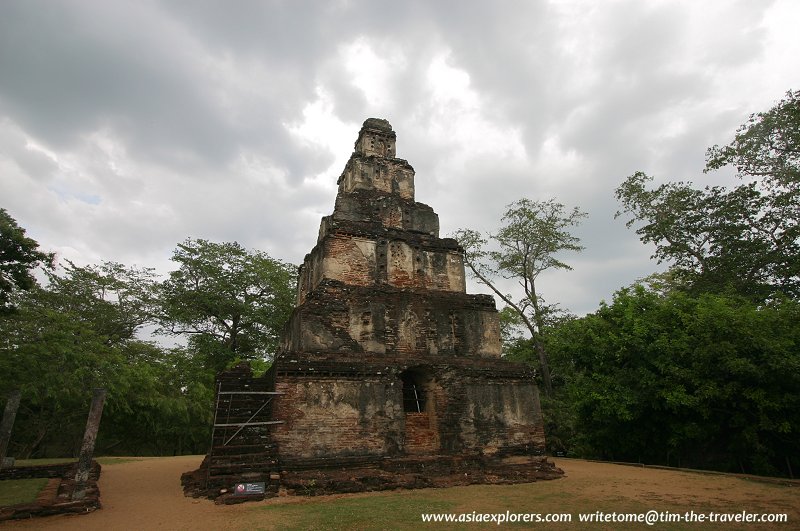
<point>243,458</point>
<point>238,470</point>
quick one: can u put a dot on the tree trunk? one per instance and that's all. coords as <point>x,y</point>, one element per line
<point>87,448</point>
<point>544,366</point>
<point>9,414</point>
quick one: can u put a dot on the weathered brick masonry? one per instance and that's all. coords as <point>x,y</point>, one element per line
<point>389,373</point>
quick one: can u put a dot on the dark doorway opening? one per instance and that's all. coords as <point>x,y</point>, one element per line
<point>414,393</point>
<point>419,407</point>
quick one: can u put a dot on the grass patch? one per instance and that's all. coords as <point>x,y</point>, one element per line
<point>46,461</point>
<point>399,510</point>
<point>402,510</point>
<point>16,491</point>
<point>62,460</point>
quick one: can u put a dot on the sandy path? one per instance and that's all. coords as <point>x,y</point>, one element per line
<point>144,494</point>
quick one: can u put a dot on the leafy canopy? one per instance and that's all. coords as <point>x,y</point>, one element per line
<point>18,255</point>
<point>767,146</point>
<point>746,238</point>
<point>231,302</point>
<point>79,332</point>
<point>83,329</point>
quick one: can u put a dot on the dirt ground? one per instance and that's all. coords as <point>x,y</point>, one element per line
<point>146,494</point>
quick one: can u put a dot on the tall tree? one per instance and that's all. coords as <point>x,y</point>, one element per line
<point>231,302</point>
<point>766,152</point>
<point>532,237</point>
<point>746,238</point>
<point>714,238</point>
<point>18,256</point>
<point>54,358</point>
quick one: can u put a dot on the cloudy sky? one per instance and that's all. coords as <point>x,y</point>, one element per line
<point>126,127</point>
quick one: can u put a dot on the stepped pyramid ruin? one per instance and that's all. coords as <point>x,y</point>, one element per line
<point>389,373</point>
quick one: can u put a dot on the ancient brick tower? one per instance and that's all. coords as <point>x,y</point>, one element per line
<point>389,373</point>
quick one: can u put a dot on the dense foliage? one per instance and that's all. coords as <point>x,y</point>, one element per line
<point>84,329</point>
<point>18,256</point>
<point>708,381</point>
<point>699,366</point>
<point>80,332</point>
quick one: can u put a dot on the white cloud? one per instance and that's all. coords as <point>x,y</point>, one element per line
<point>125,129</point>
<point>372,69</point>
<point>458,120</point>
<point>321,129</point>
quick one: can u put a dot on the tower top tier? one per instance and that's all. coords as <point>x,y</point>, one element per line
<point>374,169</point>
<point>376,138</point>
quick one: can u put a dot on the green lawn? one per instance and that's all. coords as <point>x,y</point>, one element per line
<point>16,491</point>
<point>588,488</point>
<point>48,461</point>
<point>388,511</point>
<point>402,509</point>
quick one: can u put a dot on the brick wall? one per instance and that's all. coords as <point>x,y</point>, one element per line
<point>466,412</point>
<point>391,176</point>
<point>337,417</point>
<point>385,320</point>
<point>421,436</point>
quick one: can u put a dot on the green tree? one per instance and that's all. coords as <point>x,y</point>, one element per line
<point>707,235</point>
<point>746,238</point>
<point>80,332</point>
<point>232,303</point>
<point>114,300</point>
<point>18,256</point>
<point>766,151</point>
<point>166,406</point>
<point>54,359</point>
<point>708,380</point>
<point>766,147</point>
<point>532,237</point>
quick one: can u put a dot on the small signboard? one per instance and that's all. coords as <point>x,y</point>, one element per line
<point>249,489</point>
